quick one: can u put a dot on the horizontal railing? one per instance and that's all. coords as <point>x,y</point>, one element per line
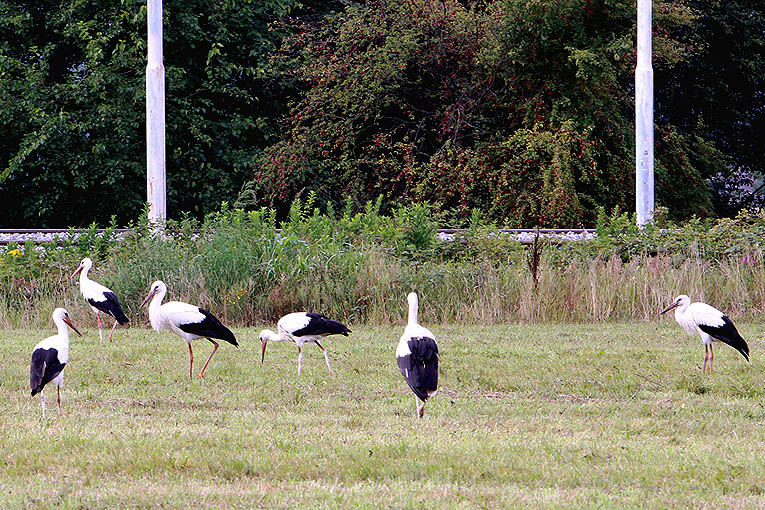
<point>40,235</point>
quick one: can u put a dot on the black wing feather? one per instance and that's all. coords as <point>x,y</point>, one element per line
<point>420,368</point>
<point>110,306</point>
<point>727,333</point>
<point>210,327</point>
<point>323,326</point>
<point>44,368</point>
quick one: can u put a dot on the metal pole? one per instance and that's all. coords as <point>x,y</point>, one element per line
<point>644,186</point>
<point>155,117</point>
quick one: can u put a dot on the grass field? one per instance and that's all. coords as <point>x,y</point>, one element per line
<point>547,416</point>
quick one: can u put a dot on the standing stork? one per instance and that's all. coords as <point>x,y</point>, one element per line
<point>100,298</point>
<point>417,356</point>
<point>710,323</point>
<point>187,321</point>
<point>301,328</point>
<point>49,358</point>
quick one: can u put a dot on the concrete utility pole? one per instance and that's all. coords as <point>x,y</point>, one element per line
<point>155,118</point>
<point>644,199</point>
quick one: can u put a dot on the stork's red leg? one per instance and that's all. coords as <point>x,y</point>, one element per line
<point>326,357</point>
<point>112,331</point>
<point>215,348</point>
<point>711,359</point>
<point>100,334</point>
<point>191,362</point>
<point>58,394</point>
<point>706,356</point>
<point>300,360</point>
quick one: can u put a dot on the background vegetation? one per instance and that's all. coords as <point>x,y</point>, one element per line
<point>356,266</point>
<point>520,109</point>
<point>72,115</point>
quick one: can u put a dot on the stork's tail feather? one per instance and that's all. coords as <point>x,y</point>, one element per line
<point>210,327</point>
<point>120,316</point>
<point>337,327</point>
<point>111,305</point>
<point>740,345</point>
<point>229,337</point>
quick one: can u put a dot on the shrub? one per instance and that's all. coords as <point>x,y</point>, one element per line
<point>359,266</point>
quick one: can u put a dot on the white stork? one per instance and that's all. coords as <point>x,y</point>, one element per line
<point>710,323</point>
<point>417,356</point>
<point>301,328</point>
<point>187,321</point>
<point>100,298</point>
<point>49,358</point>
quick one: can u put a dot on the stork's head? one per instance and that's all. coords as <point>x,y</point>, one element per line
<point>682,301</point>
<point>85,265</point>
<point>61,315</point>
<point>265,336</point>
<point>157,287</point>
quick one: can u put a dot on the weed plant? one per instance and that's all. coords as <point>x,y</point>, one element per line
<point>249,268</point>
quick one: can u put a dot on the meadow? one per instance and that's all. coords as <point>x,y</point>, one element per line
<point>560,386</point>
<point>600,415</point>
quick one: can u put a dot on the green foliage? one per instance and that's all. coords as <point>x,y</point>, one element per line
<point>72,115</point>
<point>531,178</point>
<point>681,171</point>
<point>521,109</point>
<point>483,243</point>
<point>714,95</point>
<point>247,267</point>
<point>90,242</point>
<point>709,241</point>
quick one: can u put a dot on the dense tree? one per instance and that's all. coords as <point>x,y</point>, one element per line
<point>716,97</point>
<point>522,109</point>
<point>72,112</point>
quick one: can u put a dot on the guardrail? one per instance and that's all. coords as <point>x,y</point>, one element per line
<point>524,235</point>
<point>40,235</point>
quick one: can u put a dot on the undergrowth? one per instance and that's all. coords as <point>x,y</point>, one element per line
<point>249,268</point>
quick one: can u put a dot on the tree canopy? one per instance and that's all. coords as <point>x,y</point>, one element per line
<point>522,110</point>
<point>72,112</point>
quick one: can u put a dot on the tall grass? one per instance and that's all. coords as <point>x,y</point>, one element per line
<point>249,269</point>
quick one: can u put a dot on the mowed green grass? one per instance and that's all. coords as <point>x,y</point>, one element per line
<point>544,416</point>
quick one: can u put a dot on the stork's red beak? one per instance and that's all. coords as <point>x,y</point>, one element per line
<point>151,295</point>
<point>263,353</point>
<point>670,307</point>
<point>69,323</point>
<point>76,272</point>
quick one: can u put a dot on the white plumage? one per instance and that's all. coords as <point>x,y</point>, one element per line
<point>49,358</point>
<point>187,321</point>
<point>417,357</point>
<point>710,324</point>
<point>302,328</point>
<point>100,298</point>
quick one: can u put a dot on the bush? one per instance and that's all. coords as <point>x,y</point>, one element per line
<point>359,265</point>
